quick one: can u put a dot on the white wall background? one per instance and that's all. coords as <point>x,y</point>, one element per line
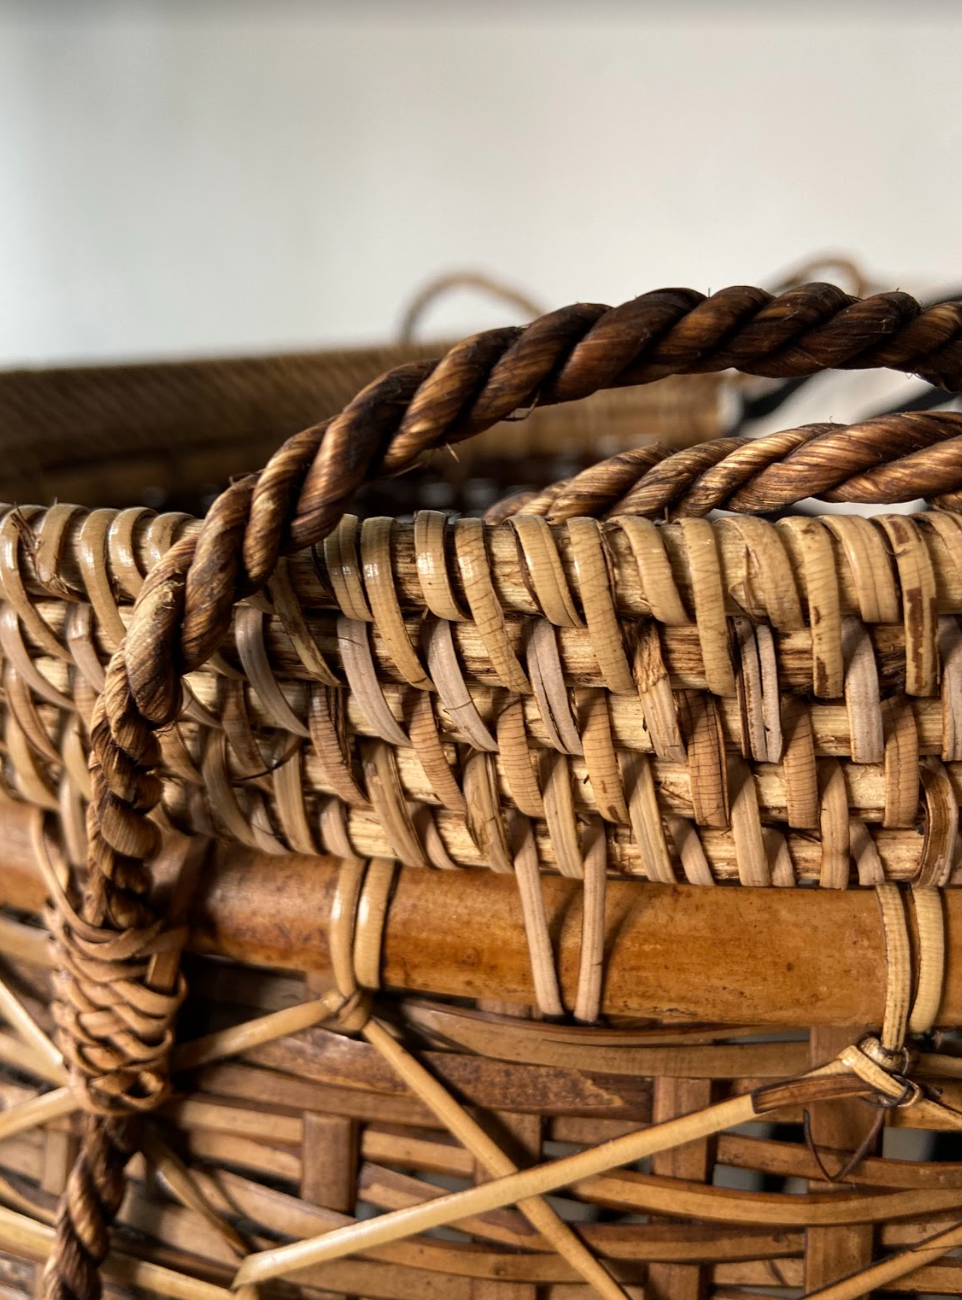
<point>179,177</point>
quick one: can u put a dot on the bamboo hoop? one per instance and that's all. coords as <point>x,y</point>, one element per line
<point>662,955</point>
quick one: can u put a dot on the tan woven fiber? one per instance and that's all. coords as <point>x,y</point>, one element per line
<point>600,679</point>
<point>108,435</point>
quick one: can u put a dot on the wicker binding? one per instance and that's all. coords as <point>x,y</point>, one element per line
<point>275,738</point>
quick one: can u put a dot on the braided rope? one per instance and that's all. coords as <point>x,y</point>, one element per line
<point>184,608</point>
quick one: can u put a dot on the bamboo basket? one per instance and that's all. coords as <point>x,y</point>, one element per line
<point>564,896</point>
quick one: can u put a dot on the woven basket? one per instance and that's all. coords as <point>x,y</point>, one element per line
<point>172,434</point>
<point>257,757</point>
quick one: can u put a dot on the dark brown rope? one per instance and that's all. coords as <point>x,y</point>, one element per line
<point>882,461</point>
<point>184,609</point>
<point>94,1194</point>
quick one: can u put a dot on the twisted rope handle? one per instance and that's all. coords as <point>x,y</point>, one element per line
<point>881,461</point>
<point>439,286</point>
<point>184,611</point>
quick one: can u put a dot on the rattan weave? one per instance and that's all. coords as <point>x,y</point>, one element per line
<point>428,805</point>
<point>178,431</point>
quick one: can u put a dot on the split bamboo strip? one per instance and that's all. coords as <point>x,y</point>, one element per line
<point>313,585</point>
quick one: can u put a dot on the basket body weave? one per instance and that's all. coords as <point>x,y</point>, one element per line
<point>106,435</point>
<point>430,804</point>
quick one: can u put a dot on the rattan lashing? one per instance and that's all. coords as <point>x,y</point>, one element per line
<point>571,686</point>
